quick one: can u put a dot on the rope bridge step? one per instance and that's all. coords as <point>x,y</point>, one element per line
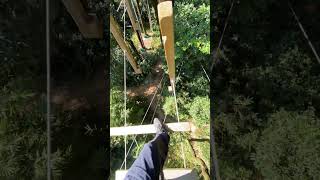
<point>170,174</point>
<point>149,129</point>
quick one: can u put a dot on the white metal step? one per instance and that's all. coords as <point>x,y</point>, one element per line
<point>169,174</point>
<point>149,129</point>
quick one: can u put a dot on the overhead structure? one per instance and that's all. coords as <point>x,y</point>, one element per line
<point>115,30</point>
<point>88,24</point>
<point>165,15</point>
<point>134,19</point>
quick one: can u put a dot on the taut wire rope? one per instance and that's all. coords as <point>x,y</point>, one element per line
<point>305,34</point>
<point>125,89</point>
<point>220,41</point>
<point>215,159</point>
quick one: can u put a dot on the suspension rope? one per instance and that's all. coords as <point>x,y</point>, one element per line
<point>154,112</point>
<point>124,14</point>
<point>304,33</point>
<point>215,159</point>
<point>125,90</point>
<point>145,138</point>
<point>205,73</point>
<point>139,15</point>
<point>135,13</point>
<point>119,5</point>
<point>178,119</point>
<point>175,100</point>
<point>135,136</point>
<point>224,29</point>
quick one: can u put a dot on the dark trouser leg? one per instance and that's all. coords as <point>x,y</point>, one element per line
<point>151,159</point>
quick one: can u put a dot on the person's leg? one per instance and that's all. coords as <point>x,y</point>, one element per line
<point>151,159</point>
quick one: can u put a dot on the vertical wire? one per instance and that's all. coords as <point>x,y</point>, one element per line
<point>175,99</point>
<point>48,90</point>
<point>177,113</point>
<point>125,90</point>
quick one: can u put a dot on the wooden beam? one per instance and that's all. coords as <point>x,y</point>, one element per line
<point>172,174</point>
<point>115,30</point>
<point>139,15</point>
<point>89,25</point>
<point>134,20</point>
<point>165,14</point>
<point>150,129</point>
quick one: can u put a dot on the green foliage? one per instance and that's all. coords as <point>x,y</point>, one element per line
<point>59,160</point>
<point>199,109</point>
<point>22,134</point>
<point>169,106</point>
<point>289,77</point>
<point>192,22</point>
<point>230,171</point>
<point>175,155</point>
<point>135,108</point>
<point>264,65</point>
<point>23,140</point>
<point>198,86</point>
<point>192,45</point>
<point>116,108</point>
<point>289,148</point>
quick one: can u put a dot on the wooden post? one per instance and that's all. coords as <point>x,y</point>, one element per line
<point>134,21</point>
<point>115,30</point>
<point>165,14</point>
<point>150,129</point>
<point>89,25</point>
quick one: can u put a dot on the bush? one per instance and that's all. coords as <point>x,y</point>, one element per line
<point>289,148</point>
<point>199,109</point>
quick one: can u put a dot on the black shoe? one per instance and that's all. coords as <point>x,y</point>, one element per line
<point>158,126</point>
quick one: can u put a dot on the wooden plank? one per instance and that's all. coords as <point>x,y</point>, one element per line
<point>133,18</point>
<point>136,3</point>
<point>115,30</point>
<point>89,25</point>
<point>165,14</point>
<point>170,174</point>
<point>149,129</point>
